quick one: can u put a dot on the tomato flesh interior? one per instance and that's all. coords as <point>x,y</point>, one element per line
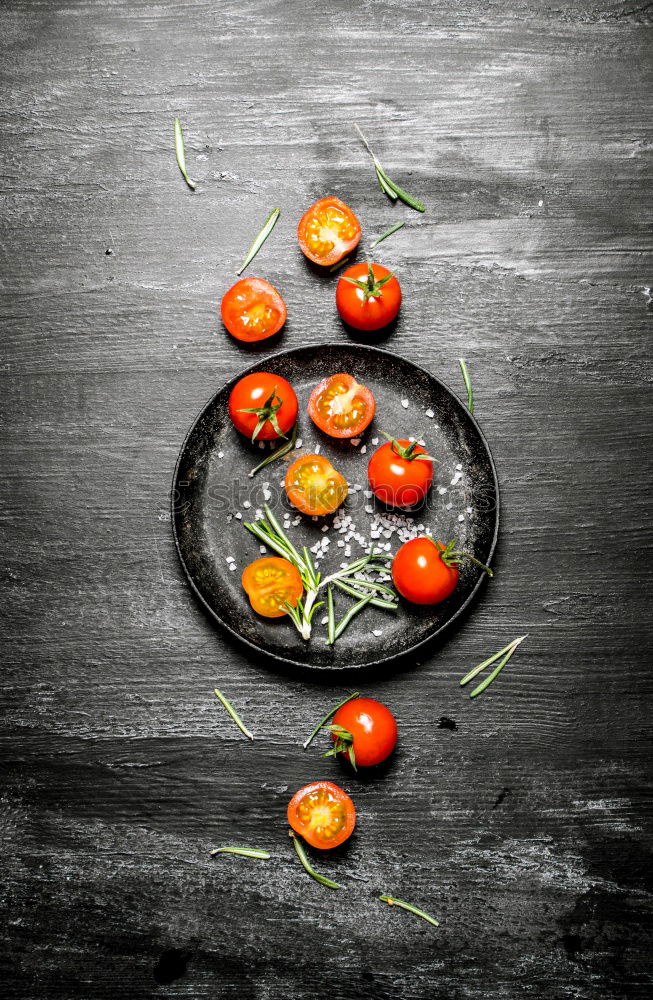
<point>321,813</point>
<point>328,226</point>
<point>259,317</point>
<point>319,483</point>
<point>342,405</point>
<point>272,583</point>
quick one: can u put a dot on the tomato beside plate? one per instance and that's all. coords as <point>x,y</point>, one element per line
<point>323,814</point>
<point>341,407</point>
<point>368,296</point>
<point>364,731</point>
<point>328,231</point>
<point>253,310</point>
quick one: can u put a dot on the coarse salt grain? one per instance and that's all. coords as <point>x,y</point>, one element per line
<point>404,403</point>
<point>375,440</point>
<point>317,449</point>
<point>220,454</point>
<point>377,631</point>
<point>461,517</point>
<point>232,567</point>
<point>246,504</point>
<point>261,548</point>
<point>298,443</point>
<point>355,442</point>
<point>363,449</point>
<point>430,414</point>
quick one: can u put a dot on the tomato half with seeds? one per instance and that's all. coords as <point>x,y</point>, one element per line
<point>314,486</point>
<point>270,584</point>
<point>400,473</point>
<point>263,406</point>
<point>323,814</point>
<point>328,231</point>
<point>253,310</point>
<point>364,731</point>
<point>341,407</point>
<point>368,296</point>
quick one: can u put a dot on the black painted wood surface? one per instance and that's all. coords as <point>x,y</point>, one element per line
<point>522,819</point>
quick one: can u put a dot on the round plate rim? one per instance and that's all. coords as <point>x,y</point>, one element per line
<point>288,661</point>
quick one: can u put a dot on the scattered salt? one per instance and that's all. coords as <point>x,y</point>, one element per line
<point>404,403</point>
<point>430,414</point>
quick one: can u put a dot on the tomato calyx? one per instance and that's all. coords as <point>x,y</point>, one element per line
<point>372,288</point>
<point>451,556</point>
<point>344,743</point>
<point>408,452</point>
<point>266,412</point>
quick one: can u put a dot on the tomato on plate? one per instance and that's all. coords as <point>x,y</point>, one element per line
<point>263,406</point>
<point>368,296</point>
<point>364,731</point>
<point>341,407</point>
<point>270,584</point>
<point>425,571</point>
<point>252,310</point>
<point>322,814</point>
<point>314,486</point>
<point>400,473</point>
<point>328,231</point>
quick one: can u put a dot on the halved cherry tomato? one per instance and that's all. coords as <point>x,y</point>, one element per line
<point>314,486</point>
<point>397,474</point>
<point>328,231</point>
<point>263,406</point>
<point>270,583</point>
<point>370,731</point>
<point>341,406</point>
<point>425,571</point>
<point>368,296</point>
<point>253,309</point>
<point>322,814</point>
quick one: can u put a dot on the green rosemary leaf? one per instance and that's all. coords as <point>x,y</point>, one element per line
<point>233,713</point>
<point>338,264</point>
<point>301,854</point>
<point>331,627</point>
<point>385,187</point>
<point>388,232</point>
<point>277,453</point>
<point>376,602</point>
<point>468,385</point>
<point>497,670</point>
<point>393,901</point>
<point>268,226</point>
<point>353,611</point>
<point>181,154</point>
<point>246,852</point>
<point>330,715</point>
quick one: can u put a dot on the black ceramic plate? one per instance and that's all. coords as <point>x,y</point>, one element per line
<point>211,487</point>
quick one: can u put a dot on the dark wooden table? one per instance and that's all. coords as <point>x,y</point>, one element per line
<point>521,819</point>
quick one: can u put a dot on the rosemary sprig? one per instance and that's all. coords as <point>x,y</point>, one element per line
<point>388,232</point>
<point>301,854</point>
<point>245,852</point>
<point>268,530</point>
<point>268,226</point>
<point>468,384</point>
<point>181,154</point>
<point>338,264</point>
<point>393,901</point>
<point>330,715</point>
<point>386,184</point>
<point>331,615</point>
<point>353,611</point>
<point>277,453</point>
<point>376,602</point>
<point>506,653</point>
<point>233,713</point>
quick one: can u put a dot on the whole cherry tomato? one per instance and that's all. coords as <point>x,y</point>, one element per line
<point>341,406</point>
<point>322,814</point>
<point>328,231</point>
<point>425,571</point>
<point>400,473</point>
<point>253,309</point>
<point>263,406</point>
<point>364,731</point>
<point>368,296</point>
<point>314,486</point>
<point>270,584</point>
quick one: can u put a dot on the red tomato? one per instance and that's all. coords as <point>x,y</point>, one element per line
<point>263,406</point>
<point>328,231</point>
<point>323,814</point>
<point>341,406</point>
<point>370,731</point>
<point>270,584</point>
<point>252,310</point>
<point>368,296</point>
<point>398,476</point>
<point>314,486</point>
<point>426,572</point>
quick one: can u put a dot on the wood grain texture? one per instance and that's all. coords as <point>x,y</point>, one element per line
<point>526,828</point>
